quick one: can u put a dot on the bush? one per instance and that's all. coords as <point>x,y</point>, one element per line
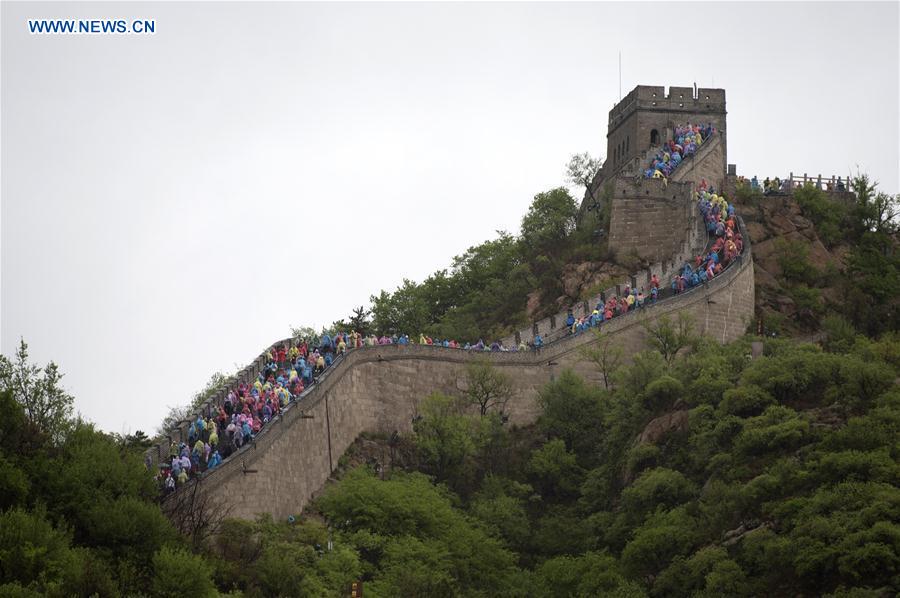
<point>808,301</point>
<point>745,401</point>
<point>179,573</point>
<point>793,259</point>
<point>660,539</point>
<point>641,457</point>
<point>655,488</point>
<point>662,393</point>
<point>555,470</point>
<point>32,552</point>
<point>839,334</point>
<point>778,429</point>
<point>827,215</point>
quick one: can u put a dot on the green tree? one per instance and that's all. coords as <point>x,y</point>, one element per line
<point>555,470</point>
<point>828,215</point>
<point>405,527</point>
<point>670,337</point>
<point>32,552</point>
<point>488,388</point>
<point>606,355</point>
<point>443,436</point>
<point>550,219</point>
<point>46,404</point>
<point>572,411</point>
<point>581,170</point>
<point>180,573</point>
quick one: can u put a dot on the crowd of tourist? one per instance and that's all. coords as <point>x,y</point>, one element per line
<point>777,186</point>
<point>688,139</point>
<point>727,243</point>
<point>292,368</point>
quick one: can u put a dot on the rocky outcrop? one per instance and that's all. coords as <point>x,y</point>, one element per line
<point>768,221</point>
<point>578,279</point>
<point>657,429</point>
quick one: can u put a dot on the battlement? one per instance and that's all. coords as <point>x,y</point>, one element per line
<point>648,115</point>
<point>679,99</point>
<point>656,189</point>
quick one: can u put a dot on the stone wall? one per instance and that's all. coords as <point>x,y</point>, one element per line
<point>708,163</point>
<point>378,389</point>
<point>650,218</point>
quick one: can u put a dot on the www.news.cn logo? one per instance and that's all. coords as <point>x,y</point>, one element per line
<point>91,26</point>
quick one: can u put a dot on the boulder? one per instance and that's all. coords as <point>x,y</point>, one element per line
<point>675,421</point>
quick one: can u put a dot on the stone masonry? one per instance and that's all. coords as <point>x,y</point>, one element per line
<point>378,389</point>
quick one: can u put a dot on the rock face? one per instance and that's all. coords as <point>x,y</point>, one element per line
<point>579,278</point>
<point>675,421</point>
<point>779,217</point>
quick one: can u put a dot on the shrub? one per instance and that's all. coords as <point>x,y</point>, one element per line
<point>179,573</point>
<point>662,393</point>
<point>793,259</point>
<point>745,401</point>
<point>657,487</point>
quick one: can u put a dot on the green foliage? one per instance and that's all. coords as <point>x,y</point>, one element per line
<point>14,484</point>
<point>46,405</point>
<point>745,401</point>
<point>444,437</point>
<point>501,506</point>
<point>591,574</point>
<point>808,301</point>
<point>793,259</point>
<point>708,572</point>
<point>488,388</point>
<point>408,529</point>
<point>90,473</point>
<point>874,275</point>
<point>662,393</point>
<point>32,552</point>
<point>840,334</point>
<point>555,470</point>
<point>669,337</point>
<point>829,216</point>
<point>483,293</point>
<point>656,488</point>
<point>572,412</point>
<point>605,354</point>
<point>661,538</point>
<point>747,194</point>
<point>180,573</point>
<point>550,219</point>
<point>777,429</point>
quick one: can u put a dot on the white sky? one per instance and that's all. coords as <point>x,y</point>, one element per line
<point>172,204</point>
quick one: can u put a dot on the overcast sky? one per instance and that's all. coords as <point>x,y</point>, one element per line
<point>173,203</point>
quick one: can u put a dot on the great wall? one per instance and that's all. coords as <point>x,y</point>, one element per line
<point>377,389</point>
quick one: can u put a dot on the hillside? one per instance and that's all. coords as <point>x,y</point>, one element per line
<point>818,256</point>
<point>764,466</point>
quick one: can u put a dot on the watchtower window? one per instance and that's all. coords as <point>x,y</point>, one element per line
<point>627,143</point>
<point>654,137</point>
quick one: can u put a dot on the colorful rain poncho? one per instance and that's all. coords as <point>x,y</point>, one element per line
<point>688,139</point>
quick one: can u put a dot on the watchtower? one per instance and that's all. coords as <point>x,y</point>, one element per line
<point>646,117</point>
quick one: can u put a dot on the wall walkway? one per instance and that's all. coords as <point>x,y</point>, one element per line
<point>378,389</point>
